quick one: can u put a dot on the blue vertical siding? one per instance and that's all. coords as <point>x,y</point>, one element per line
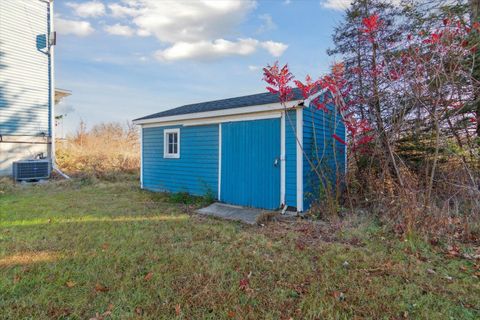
<point>291,159</point>
<point>195,172</point>
<point>250,176</point>
<point>326,153</point>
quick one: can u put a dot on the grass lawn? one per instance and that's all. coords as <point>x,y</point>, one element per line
<point>109,250</point>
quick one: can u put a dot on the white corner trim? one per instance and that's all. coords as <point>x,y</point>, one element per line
<point>282,160</point>
<point>299,125</point>
<point>51,52</point>
<point>309,100</point>
<point>165,143</point>
<point>219,161</point>
<point>141,157</point>
<point>218,113</point>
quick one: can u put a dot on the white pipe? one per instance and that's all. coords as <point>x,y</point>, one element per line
<point>51,52</point>
<point>57,170</point>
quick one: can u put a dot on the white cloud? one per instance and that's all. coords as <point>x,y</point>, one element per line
<point>77,28</point>
<point>143,33</point>
<point>253,68</point>
<point>345,4</point>
<point>336,4</point>
<point>120,30</point>
<point>120,11</point>
<point>287,2</point>
<point>267,23</point>
<point>88,9</point>
<point>195,29</point>
<point>185,21</point>
<point>206,50</point>
<point>276,49</point>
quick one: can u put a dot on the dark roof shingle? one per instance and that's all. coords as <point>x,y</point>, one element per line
<point>231,103</point>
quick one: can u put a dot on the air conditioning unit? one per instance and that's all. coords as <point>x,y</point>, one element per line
<point>31,170</point>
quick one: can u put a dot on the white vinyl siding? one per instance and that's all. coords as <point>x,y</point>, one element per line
<point>24,68</point>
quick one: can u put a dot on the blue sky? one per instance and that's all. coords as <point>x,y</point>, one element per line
<point>124,59</point>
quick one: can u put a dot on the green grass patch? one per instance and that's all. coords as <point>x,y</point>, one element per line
<point>72,250</point>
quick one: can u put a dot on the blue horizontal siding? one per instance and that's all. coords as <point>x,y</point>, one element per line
<point>326,154</point>
<point>291,159</point>
<point>195,172</point>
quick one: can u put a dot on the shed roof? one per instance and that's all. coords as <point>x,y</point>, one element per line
<point>231,103</point>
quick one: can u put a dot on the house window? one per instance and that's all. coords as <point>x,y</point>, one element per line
<point>171,143</point>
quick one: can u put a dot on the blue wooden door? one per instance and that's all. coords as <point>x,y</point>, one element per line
<point>250,174</point>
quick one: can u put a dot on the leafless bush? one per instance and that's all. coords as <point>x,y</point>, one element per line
<point>104,151</point>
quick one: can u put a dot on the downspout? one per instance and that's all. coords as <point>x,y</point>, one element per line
<point>51,52</point>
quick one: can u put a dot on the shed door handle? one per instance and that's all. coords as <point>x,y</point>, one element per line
<point>275,163</point>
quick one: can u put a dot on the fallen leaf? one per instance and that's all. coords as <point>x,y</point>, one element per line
<point>100,288</point>
<point>453,251</point>
<point>148,276</point>
<point>110,307</point>
<point>300,245</point>
<point>463,268</point>
<point>16,278</point>
<point>70,284</point>
<point>178,310</point>
<point>340,296</point>
<point>105,246</point>
<point>139,311</point>
<point>231,314</point>
<point>243,284</point>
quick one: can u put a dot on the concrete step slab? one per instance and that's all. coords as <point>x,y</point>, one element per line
<point>230,212</point>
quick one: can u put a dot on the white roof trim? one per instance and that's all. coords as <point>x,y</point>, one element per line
<point>217,113</point>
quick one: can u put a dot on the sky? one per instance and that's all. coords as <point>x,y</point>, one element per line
<point>124,59</point>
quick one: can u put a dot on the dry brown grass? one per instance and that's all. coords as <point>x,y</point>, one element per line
<point>451,214</point>
<point>106,151</point>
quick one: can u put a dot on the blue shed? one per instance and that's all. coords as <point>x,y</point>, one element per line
<point>248,151</point>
